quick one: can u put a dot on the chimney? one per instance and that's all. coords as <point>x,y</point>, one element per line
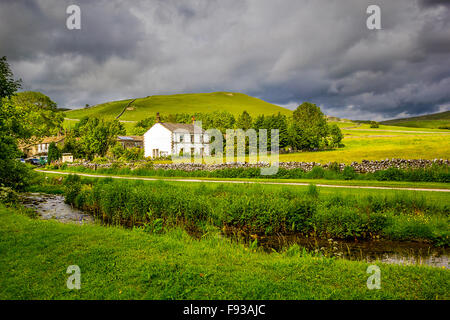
<point>193,119</point>
<point>158,119</point>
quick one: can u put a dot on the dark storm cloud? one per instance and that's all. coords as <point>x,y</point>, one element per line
<point>435,2</point>
<point>30,28</point>
<point>285,52</point>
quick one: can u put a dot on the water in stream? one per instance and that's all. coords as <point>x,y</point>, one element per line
<point>50,206</point>
<point>387,251</point>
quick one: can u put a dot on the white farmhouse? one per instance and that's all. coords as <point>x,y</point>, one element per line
<point>165,138</point>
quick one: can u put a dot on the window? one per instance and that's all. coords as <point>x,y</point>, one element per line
<point>181,137</point>
<point>192,138</point>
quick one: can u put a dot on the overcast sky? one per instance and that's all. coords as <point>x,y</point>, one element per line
<point>282,51</point>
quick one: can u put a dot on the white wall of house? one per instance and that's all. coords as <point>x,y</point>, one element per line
<point>158,139</point>
<point>43,147</point>
<point>190,142</point>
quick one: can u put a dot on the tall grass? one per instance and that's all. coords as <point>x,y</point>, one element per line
<point>255,209</point>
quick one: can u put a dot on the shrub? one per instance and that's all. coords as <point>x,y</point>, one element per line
<point>349,173</point>
<point>312,191</point>
<point>72,185</point>
<point>8,196</point>
<point>316,173</point>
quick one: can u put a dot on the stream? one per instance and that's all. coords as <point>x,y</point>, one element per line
<point>52,206</point>
<point>395,252</point>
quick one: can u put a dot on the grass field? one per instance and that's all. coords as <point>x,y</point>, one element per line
<point>363,147</point>
<point>116,263</point>
<point>234,103</point>
<point>435,120</point>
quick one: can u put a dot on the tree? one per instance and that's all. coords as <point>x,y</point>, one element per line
<point>72,146</point>
<point>8,86</point>
<point>54,153</point>
<point>277,121</point>
<point>311,125</point>
<point>223,120</point>
<point>96,136</point>
<point>13,173</point>
<point>335,135</point>
<point>38,114</point>
<point>244,121</point>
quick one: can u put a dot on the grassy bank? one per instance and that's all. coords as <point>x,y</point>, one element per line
<point>435,173</point>
<point>264,210</point>
<point>132,264</point>
<point>325,182</point>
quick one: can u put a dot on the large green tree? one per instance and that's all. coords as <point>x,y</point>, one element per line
<point>54,153</point>
<point>244,121</point>
<point>12,173</point>
<point>310,127</point>
<point>97,136</point>
<point>38,114</point>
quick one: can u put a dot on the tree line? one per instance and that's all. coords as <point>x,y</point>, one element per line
<point>306,129</point>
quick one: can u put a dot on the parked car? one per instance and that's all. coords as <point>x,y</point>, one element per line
<point>34,161</point>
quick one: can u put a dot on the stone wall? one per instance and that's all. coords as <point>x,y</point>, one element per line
<point>360,167</point>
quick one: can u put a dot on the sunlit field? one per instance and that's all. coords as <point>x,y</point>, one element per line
<point>359,148</point>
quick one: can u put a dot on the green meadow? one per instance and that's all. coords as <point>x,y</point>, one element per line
<point>118,263</point>
<point>436,120</point>
<point>146,107</point>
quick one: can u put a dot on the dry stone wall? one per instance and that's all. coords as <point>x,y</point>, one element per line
<point>361,167</point>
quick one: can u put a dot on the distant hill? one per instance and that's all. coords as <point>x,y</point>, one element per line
<point>433,121</point>
<point>142,108</point>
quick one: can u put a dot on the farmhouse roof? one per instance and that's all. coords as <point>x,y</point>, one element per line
<point>52,139</point>
<point>181,126</point>
<point>130,138</point>
<point>36,141</point>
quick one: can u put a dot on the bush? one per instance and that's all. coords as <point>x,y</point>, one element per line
<point>72,185</point>
<point>349,173</point>
<point>15,174</point>
<point>316,173</point>
<point>8,196</point>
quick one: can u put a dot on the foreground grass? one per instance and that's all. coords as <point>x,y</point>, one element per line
<point>124,264</point>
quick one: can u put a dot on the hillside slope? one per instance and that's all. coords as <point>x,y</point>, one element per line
<point>434,120</point>
<point>143,108</point>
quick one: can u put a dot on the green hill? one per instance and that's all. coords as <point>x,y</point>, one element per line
<point>143,108</point>
<point>434,121</point>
